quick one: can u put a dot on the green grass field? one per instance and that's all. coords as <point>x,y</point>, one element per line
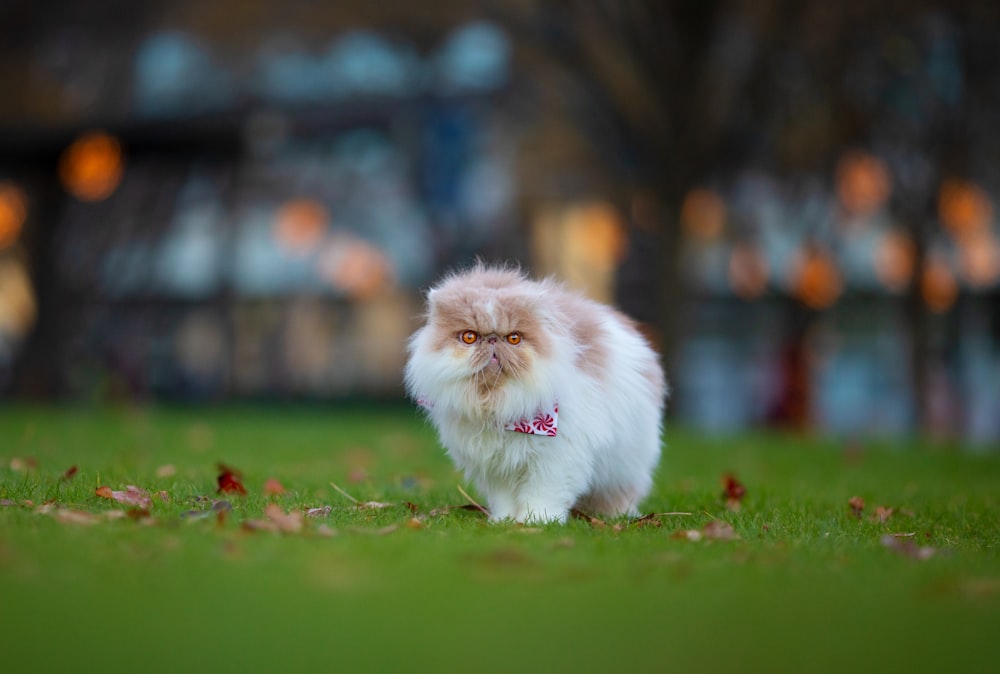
<point>806,587</point>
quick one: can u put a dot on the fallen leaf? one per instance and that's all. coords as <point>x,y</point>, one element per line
<point>882,514</point>
<point>650,520</point>
<point>374,505</point>
<point>259,525</point>
<point>413,507</point>
<point>857,505</point>
<point>273,488</point>
<point>414,523</point>
<point>131,496</point>
<point>230,481</point>
<point>719,530</point>
<point>908,548</point>
<point>166,470</point>
<point>290,523</point>
<point>7,502</point>
<point>733,491</point>
<point>70,472</point>
<point>75,517</point>
<point>323,511</point>
<point>137,513</point>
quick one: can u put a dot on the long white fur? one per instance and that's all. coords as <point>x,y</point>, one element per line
<point>608,441</point>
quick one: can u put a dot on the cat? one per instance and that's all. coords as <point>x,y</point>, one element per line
<point>548,401</point>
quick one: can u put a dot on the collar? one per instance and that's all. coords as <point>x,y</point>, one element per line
<point>545,422</point>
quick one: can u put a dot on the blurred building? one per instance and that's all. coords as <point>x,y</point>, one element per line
<point>206,201</point>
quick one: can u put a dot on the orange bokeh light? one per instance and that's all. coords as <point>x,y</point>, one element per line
<point>748,271</point>
<point>597,235</point>
<point>703,215</point>
<point>895,259</point>
<point>91,168</point>
<point>863,182</point>
<point>299,225</point>
<point>964,208</point>
<point>357,268</point>
<point>13,213</point>
<point>816,280</point>
<point>938,286</point>
<point>979,259</point>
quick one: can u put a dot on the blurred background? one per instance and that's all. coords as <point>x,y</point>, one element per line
<point>211,201</point>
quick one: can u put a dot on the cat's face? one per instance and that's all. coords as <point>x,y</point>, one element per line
<point>488,335</point>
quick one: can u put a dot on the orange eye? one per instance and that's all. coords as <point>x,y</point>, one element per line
<point>514,338</point>
<point>469,336</point>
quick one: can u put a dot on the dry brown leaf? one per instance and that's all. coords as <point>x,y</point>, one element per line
<point>323,511</point>
<point>857,505</point>
<point>414,523</point>
<point>132,496</point>
<point>374,505</point>
<point>719,530</point>
<point>882,514</point>
<point>290,523</point>
<point>70,472</point>
<point>273,488</point>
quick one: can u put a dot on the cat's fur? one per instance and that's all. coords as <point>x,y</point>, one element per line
<point>585,356</point>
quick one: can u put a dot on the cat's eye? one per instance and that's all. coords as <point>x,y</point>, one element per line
<point>514,338</point>
<point>469,336</point>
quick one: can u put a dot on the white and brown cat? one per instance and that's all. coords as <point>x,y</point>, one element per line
<point>547,400</point>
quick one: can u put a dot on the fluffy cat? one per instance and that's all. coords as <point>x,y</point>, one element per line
<point>547,400</point>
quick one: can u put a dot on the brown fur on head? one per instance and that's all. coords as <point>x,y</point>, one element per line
<point>492,304</point>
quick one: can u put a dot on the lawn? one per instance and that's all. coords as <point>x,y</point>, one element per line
<point>801,583</point>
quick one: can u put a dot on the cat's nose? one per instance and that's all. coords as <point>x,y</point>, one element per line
<point>492,339</point>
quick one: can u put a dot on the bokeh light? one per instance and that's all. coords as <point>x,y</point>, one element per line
<point>91,168</point>
<point>13,212</point>
<point>964,208</point>
<point>356,268</point>
<point>18,306</point>
<point>938,285</point>
<point>299,225</point>
<point>597,235</point>
<point>748,271</point>
<point>816,281</point>
<point>895,259</point>
<point>979,259</point>
<point>703,215</point>
<point>863,182</point>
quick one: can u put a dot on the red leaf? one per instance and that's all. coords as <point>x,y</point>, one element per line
<point>734,491</point>
<point>230,481</point>
<point>132,496</point>
<point>857,505</point>
<point>273,488</point>
<point>104,492</point>
<point>70,472</point>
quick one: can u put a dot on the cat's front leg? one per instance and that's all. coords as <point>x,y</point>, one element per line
<point>503,505</point>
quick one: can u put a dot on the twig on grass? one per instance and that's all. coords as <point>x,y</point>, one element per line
<point>345,494</point>
<point>473,501</point>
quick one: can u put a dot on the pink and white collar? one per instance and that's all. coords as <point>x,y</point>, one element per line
<point>545,422</point>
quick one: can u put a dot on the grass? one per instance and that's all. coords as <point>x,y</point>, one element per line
<point>805,587</point>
